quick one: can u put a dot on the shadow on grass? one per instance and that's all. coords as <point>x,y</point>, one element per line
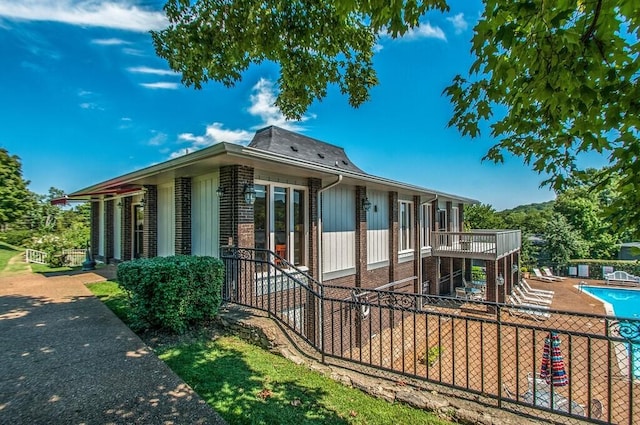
<point>242,392</point>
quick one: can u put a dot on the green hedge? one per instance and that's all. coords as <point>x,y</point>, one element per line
<point>172,293</point>
<point>595,266</point>
<point>17,237</point>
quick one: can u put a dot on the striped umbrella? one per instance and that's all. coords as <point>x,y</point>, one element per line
<point>552,369</point>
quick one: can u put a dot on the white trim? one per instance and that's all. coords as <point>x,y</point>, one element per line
<point>336,274</point>
<point>378,265</point>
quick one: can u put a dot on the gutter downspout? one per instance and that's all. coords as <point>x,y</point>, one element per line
<point>321,308</point>
<point>420,272</point>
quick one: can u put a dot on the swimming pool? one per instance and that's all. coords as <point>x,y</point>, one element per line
<point>623,303</point>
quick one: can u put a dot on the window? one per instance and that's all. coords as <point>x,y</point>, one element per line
<point>442,220</point>
<point>280,221</point>
<point>405,242</point>
<point>425,230</point>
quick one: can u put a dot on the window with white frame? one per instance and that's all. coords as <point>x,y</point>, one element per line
<point>405,241</point>
<point>425,231</point>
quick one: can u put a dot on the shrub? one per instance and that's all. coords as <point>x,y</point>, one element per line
<point>595,266</point>
<point>172,293</point>
<point>431,356</point>
<point>17,237</point>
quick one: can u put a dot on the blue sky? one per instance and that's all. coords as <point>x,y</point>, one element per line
<point>85,98</point>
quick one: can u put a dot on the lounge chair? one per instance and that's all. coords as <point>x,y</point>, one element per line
<point>529,303</point>
<point>530,311</point>
<point>533,299</point>
<point>539,276</point>
<point>540,292</point>
<point>547,272</point>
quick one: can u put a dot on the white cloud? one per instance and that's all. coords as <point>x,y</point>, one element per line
<point>115,14</point>
<point>109,41</point>
<point>459,23</point>
<point>133,52</point>
<point>425,30</point>
<point>158,139</point>
<point>153,71</point>
<point>263,105</point>
<point>162,85</point>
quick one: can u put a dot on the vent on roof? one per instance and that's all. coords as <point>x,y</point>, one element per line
<point>321,155</point>
<point>345,162</point>
<point>294,148</point>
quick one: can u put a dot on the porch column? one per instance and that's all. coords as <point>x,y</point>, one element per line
<point>502,272</point>
<point>109,205</point>
<point>150,233</point>
<point>449,204</point>
<point>461,216</point>
<point>492,274</point>
<point>314,186</point>
<point>127,229</point>
<point>417,252</point>
<point>182,189</point>
<point>432,273</point>
<point>236,217</point>
<point>95,227</point>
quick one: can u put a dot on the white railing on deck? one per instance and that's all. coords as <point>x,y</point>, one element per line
<point>33,256</point>
<point>484,243</point>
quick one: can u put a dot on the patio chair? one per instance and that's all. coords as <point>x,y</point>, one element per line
<point>547,272</point>
<point>530,311</point>
<point>533,299</point>
<point>539,276</point>
<point>540,292</point>
<point>461,292</point>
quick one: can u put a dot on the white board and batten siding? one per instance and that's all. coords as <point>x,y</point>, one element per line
<point>117,230</point>
<point>378,229</point>
<point>338,232</point>
<point>166,220</point>
<point>205,215</point>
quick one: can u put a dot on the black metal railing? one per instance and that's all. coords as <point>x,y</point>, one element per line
<point>486,351</point>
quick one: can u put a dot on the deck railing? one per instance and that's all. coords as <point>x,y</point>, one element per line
<point>481,244</point>
<point>487,352</point>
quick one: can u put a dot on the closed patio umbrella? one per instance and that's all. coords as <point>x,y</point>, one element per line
<point>552,369</point>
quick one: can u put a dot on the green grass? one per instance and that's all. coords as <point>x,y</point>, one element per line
<point>113,296</point>
<point>6,253</point>
<point>248,385</point>
<point>43,268</point>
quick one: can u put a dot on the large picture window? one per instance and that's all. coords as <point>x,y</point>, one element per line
<point>405,241</point>
<point>280,221</point>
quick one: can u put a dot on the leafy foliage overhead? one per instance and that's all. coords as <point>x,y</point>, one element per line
<point>316,43</point>
<point>566,75</point>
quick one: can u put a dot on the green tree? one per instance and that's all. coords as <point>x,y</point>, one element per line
<point>565,73</point>
<point>562,242</point>
<point>316,43</point>
<point>482,216</point>
<point>15,198</point>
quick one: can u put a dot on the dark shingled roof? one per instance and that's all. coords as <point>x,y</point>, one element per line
<point>293,145</point>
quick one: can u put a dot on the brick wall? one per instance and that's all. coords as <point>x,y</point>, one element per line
<point>150,235</point>
<point>95,227</point>
<point>127,229</point>
<point>236,217</point>
<point>110,206</point>
<point>182,188</point>
<point>314,186</point>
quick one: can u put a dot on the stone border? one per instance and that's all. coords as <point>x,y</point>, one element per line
<point>257,328</point>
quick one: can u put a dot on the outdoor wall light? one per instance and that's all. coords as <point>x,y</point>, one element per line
<point>119,205</point>
<point>366,204</point>
<point>514,268</point>
<point>220,191</point>
<point>249,194</point>
<point>500,280</point>
<point>143,201</point>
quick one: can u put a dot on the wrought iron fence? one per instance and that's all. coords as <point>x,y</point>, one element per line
<point>491,352</point>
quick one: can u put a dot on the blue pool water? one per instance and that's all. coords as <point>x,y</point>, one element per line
<point>626,304</point>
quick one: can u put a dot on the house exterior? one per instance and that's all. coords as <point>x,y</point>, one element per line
<point>305,201</point>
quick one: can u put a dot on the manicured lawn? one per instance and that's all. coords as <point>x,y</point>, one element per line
<point>113,296</point>
<point>248,385</point>
<point>6,253</point>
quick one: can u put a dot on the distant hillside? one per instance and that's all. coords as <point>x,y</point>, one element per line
<point>542,206</point>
